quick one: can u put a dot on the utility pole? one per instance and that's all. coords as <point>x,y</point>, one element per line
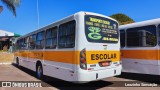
<point>38,13</point>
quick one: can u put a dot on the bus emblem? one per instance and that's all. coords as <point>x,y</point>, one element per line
<point>94,33</point>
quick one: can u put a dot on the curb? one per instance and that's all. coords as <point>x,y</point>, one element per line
<point>6,63</point>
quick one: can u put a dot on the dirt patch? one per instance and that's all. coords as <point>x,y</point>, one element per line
<point>6,57</point>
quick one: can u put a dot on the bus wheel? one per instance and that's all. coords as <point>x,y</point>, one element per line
<point>39,71</point>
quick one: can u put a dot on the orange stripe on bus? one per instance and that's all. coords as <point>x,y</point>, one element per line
<point>66,56</point>
<point>140,54</point>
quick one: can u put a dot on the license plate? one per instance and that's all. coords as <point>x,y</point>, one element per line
<point>105,64</point>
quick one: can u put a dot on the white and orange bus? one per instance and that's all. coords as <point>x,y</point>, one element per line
<point>82,47</point>
<point>140,47</point>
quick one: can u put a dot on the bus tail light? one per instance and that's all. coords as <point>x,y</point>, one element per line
<point>83,63</point>
<point>121,56</point>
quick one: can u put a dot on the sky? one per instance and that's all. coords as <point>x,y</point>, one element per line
<point>53,10</point>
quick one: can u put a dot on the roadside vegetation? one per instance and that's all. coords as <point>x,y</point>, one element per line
<point>11,5</point>
<point>122,18</point>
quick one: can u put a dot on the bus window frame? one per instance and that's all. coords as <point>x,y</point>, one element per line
<point>141,27</point>
<point>75,23</point>
<point>22,42</point>
<point>35,34</point>
<point>54,28</point>
<point>124,37</point>
<point>40,40</point>
<point>26,42</point>
<point>158,34</point>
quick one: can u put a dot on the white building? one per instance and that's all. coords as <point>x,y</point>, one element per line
<point>6,38</point>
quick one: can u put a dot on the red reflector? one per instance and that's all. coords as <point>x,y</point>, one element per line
<point>89,68</point>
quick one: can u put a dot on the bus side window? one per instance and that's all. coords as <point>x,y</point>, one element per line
<point>40,40</point>
<point>17,45</point>
<point>51,38</point>
<point>142,36</point>
<point>66,35</point>
<point>32,42</point>
<point>21,43</point>
<point>25,44</point>
<point>122,38</point>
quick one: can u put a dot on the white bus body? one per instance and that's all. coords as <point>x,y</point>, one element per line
<point>140,48</point>
<point>88,49</point>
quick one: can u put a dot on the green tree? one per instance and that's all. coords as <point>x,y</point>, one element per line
<point>122,18</point>
<point>11,5</point>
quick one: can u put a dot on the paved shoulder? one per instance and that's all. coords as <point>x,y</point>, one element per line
<point>11,73</point>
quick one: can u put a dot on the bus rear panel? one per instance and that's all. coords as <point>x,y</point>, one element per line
<point>99,48</point>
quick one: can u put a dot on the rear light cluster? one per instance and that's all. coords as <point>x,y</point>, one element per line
<point>83,63</point>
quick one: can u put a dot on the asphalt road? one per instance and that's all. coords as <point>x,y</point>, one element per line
<point>13,73</point>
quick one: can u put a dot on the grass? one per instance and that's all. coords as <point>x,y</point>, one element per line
<point>6,57</point>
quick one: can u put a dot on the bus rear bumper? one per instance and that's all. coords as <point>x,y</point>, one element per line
<point>88,76</point>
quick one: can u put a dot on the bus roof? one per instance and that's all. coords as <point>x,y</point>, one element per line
<point>139,24</point>
<point>65,19</point>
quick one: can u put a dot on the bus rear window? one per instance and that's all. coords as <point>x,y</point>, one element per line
<point>101,30</point>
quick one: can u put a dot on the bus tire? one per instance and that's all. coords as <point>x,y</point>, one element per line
<point>39,71</point>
